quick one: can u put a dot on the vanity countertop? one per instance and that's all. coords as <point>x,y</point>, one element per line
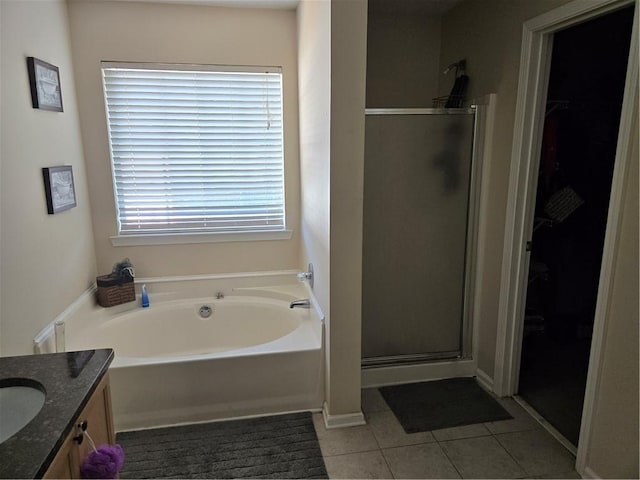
<point>69,379</point>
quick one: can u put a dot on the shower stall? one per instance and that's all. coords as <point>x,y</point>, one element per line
<point>421,185</point>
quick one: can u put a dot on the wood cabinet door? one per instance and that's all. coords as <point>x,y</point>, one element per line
<point>99,420</point>
<point>97,413</point>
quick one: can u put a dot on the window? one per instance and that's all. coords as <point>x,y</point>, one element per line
<point>195,149</point>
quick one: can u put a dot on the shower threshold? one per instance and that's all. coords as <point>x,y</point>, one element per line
<point>410,359</point>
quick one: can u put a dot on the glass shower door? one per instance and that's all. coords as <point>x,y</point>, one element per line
<point>417,177</point>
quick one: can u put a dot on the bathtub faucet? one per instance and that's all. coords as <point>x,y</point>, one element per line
<point>308,275</point>
<point>304,303</point>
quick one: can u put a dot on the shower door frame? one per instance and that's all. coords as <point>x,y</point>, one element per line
<point>467,349</point>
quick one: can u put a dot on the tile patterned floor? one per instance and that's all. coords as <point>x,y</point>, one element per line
<point>516,448</point>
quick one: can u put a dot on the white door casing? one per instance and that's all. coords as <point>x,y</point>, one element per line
<point>535,62</point>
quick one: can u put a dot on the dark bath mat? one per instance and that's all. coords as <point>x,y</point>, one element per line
<point>426,406</point>
<point>283,446</point>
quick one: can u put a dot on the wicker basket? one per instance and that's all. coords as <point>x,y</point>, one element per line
<point>114,290</point>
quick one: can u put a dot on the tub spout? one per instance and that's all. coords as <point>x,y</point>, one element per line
<point>304,303</point>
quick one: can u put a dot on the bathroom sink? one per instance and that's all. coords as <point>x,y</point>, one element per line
<point>20,402</point>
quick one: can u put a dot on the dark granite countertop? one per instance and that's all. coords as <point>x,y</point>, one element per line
<point>69,379</point>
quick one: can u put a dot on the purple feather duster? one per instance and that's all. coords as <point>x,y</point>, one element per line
<point>104,462</point>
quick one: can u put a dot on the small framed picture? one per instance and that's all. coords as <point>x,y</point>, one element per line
<point>59,188</point>
<point>44,79</point>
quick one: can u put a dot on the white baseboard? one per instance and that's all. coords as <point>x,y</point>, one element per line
<point>398,374</point>
<point>218,420</point>
<point>341,421</point>
<point>484,380</point>
<point>588,473</point>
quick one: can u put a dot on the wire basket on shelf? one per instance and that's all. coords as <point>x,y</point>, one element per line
<point>448,101</point>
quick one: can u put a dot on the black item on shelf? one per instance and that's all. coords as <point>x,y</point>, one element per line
<point>456,97</point>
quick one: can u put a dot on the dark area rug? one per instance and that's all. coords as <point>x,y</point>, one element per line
<point>426,406</point>
<point>283,446</point>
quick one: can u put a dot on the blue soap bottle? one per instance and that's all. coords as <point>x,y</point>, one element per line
<point>145,297</point>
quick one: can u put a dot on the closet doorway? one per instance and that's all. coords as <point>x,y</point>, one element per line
<point>576,164</point>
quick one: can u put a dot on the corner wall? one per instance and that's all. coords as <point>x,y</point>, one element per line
<point>156,32</point>
<point>348,82</point>
<point>613,448</point>
<point>403,55</point>
<point>488,34</point>
<point>46,261</point>
<point>314,90</point>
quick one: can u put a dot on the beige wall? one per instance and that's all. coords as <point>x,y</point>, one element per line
<point>613,450</point>
<point>146,32</point>
<point>314,90</point>
<point>489,35</point>
<point>403,55</point>
<point>491,44</point>
<point>348,71</point>
<point>46,261</point>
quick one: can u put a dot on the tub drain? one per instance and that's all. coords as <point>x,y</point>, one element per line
<point>205,311</point>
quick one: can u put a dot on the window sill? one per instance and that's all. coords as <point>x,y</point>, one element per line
<point>187,238</point>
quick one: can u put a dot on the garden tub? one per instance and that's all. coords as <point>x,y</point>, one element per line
<point>206,358</point>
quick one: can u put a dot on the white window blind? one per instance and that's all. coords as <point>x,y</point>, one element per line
<point>195,149</point>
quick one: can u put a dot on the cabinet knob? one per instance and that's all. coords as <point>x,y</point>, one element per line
<point>82,427</point>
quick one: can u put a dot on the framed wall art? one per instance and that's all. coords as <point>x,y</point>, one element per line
<point>44,80</point>
<point>59,188</point>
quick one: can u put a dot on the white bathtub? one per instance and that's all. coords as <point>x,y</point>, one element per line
<point>253,356</point>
